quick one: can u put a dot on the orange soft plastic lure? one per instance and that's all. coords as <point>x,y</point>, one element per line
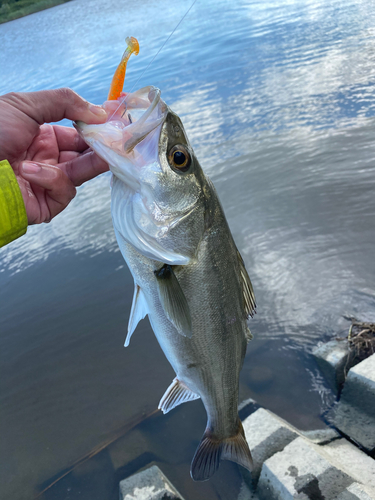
<point>119,76</point>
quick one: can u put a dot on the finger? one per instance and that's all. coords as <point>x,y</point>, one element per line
<point>44,148</point>
<point>59,189</point>
<point>68,139</point>
<point>47,106</point>
<point>116,107</point>
<point>66,156</point>
<point>84,168</point>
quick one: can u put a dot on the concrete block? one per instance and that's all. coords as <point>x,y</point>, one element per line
<point>247,407</point>
<point>301,472</point>
<point>266,434</point>
<point>357,491</point>
<point>351,460</point>
<point>149,484</point>
<point>334,360</point>
<point>321,436</point>
<point>355,412</point>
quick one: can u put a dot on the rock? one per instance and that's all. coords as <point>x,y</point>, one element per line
<point>266,434</point>
<point>334,359</point>
<point>357,491</point>
<point>355,412</point>
<point>149,484</point>
<point>351,460</point>
<point>301,472</point>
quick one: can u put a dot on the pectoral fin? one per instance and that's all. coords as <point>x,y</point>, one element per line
<point>173,300</point>
<point>176,394</point>
<point>138,311</point>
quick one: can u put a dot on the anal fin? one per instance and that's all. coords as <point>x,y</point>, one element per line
<point>138,311</point>
<point>176,394</point>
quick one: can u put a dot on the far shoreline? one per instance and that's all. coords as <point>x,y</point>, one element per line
<point>11,10</point>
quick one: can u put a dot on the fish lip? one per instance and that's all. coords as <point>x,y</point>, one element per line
<point>138,133</point>
<point>127,146</point>
<point>77,125</point>
<point>133,130</point>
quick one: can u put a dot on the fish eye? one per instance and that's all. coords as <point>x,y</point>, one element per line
<point>179,158</point>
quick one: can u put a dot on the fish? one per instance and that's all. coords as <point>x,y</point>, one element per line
<point>189,277</point>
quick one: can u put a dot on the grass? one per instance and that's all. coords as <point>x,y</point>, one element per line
<point>13,9</point>
<point>361,338</point>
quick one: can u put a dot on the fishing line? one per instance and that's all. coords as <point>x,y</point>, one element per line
<point>153,59</point>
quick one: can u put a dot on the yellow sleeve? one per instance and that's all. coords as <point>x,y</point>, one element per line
<point>13,218</point>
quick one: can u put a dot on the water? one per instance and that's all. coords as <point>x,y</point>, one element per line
<point>278,101</point>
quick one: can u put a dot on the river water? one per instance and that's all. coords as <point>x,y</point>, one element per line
<point>278,100</point>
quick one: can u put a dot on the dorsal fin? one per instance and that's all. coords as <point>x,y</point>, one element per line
<point>138,311</point>
<point>176,394</point>
<point>247,289</point>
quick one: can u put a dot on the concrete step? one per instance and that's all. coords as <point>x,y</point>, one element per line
<point>149,484</point>
<point>357,491</point>
<point>355,412</point>
<point>351,460</point>
<point>301,471</point>
<point>334,360</point>
<point>267,434</point>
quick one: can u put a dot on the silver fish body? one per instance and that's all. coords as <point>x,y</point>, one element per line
<point>189,276</point>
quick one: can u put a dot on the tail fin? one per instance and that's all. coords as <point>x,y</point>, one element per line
<point>210,451</point>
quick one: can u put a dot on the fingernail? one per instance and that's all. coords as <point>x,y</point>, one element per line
<point>31,168</point>
<point>98,111</point>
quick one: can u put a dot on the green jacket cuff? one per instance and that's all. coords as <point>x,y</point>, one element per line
<point>13,217</point>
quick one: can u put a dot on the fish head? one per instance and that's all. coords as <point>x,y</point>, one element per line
<point>158,185</point>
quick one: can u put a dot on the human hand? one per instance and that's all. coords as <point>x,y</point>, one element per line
<point>48,160</point>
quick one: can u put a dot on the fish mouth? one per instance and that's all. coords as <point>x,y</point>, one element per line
<point>131,119</point>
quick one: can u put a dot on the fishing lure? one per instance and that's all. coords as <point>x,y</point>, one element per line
<point>118,79</point>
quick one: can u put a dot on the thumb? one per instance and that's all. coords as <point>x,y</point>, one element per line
<point>47,106</point>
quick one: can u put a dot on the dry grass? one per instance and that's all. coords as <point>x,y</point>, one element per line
<point>361,338</point>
